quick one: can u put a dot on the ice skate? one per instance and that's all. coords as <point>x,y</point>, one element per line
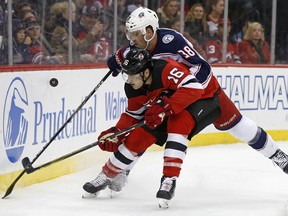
<point>281,159</point>
<point>119,181</point>
<point>166,191</point>
<point>94,187</point>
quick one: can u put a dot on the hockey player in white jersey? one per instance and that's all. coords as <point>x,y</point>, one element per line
<point>143,32</point>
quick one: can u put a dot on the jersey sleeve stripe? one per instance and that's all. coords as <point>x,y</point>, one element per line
<point>137,114</point>
<point>190,82</point>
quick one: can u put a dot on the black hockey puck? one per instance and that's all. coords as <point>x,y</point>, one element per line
<point>53,82</point>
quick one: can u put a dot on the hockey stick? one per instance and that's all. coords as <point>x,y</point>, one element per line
<point>10,188</point>
<point>29,169</point>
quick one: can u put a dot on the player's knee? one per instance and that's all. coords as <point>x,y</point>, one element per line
<point>138,142</point>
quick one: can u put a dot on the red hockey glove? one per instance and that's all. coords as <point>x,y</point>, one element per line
<point>156,114</point>
<point>110,145</point>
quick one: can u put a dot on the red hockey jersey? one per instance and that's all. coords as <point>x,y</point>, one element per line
<point>174,80</point>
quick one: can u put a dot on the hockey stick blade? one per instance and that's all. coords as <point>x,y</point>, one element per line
<point>11,187</point>
<point>27,164</point>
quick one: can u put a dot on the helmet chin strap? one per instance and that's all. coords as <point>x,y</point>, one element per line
<point>149,40</point>
<point>142,75</point>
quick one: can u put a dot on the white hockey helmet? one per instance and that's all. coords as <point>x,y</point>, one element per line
<point>141,18</point>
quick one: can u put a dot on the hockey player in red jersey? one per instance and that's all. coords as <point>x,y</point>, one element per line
<point>175,107</point>
<point>166,95</point>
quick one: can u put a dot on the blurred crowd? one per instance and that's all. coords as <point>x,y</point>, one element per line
<point>40,30</point>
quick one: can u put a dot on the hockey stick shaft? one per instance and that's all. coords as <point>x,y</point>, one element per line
<point>125,131</point>
<point>10,188</point>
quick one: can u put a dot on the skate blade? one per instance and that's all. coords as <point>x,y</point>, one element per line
<point>112,194</point>
<point>87,195</point>
<point>163,203</point>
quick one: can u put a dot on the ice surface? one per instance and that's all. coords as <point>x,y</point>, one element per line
<point>218,180</point>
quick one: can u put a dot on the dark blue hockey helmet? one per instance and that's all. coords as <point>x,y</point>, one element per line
<point>136,61</point>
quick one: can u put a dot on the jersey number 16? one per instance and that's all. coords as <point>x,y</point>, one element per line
<point>175,75</point>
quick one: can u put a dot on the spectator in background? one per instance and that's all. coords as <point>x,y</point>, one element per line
<point>39,49</point>
<point>168,13</point>
<point>79,6</point>
<point>2,20</point>
<point>27,15</point>
<point>20,48</point>
<point>104,3</point>
<point>109,14</point>
<point>80,45</point>
<point>92,18</point>
<point>91,14</point>
<point>254,49</point>
<point>214,46</point>
<point>3,50</point>
<point>196,45</point>
<point>239,36</point>
<point>130,6</point>
<point>53,13</point>
<point>196,24</point>
<point>214,10</point>
<point>22,9</point>
<point>3,39</point>
<point>50,23</point>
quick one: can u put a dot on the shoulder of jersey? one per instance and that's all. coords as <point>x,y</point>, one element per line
<point>167,35</point>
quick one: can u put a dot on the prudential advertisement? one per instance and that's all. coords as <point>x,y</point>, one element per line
<point>35,105</point>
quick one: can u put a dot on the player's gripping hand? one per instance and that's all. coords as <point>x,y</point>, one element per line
<point>156,114</point>
<point>108,144</point>
<point>113,65</point>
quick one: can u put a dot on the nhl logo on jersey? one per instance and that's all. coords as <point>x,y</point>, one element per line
<point>167,38</point>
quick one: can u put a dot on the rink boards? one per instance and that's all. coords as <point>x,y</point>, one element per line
<point>33,111</point>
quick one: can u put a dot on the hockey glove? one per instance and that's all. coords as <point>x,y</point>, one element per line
<point>113,65</point>
<point>110,145</point>
<point>156,114</point>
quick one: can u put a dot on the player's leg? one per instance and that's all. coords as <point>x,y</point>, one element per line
<point>259,140</point>
<point>247,131</point>
<point>179,126</point>
<point>137,142</point>
<point>120,180</point>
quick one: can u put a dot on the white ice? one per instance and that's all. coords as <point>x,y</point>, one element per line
<point>219,180</point>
